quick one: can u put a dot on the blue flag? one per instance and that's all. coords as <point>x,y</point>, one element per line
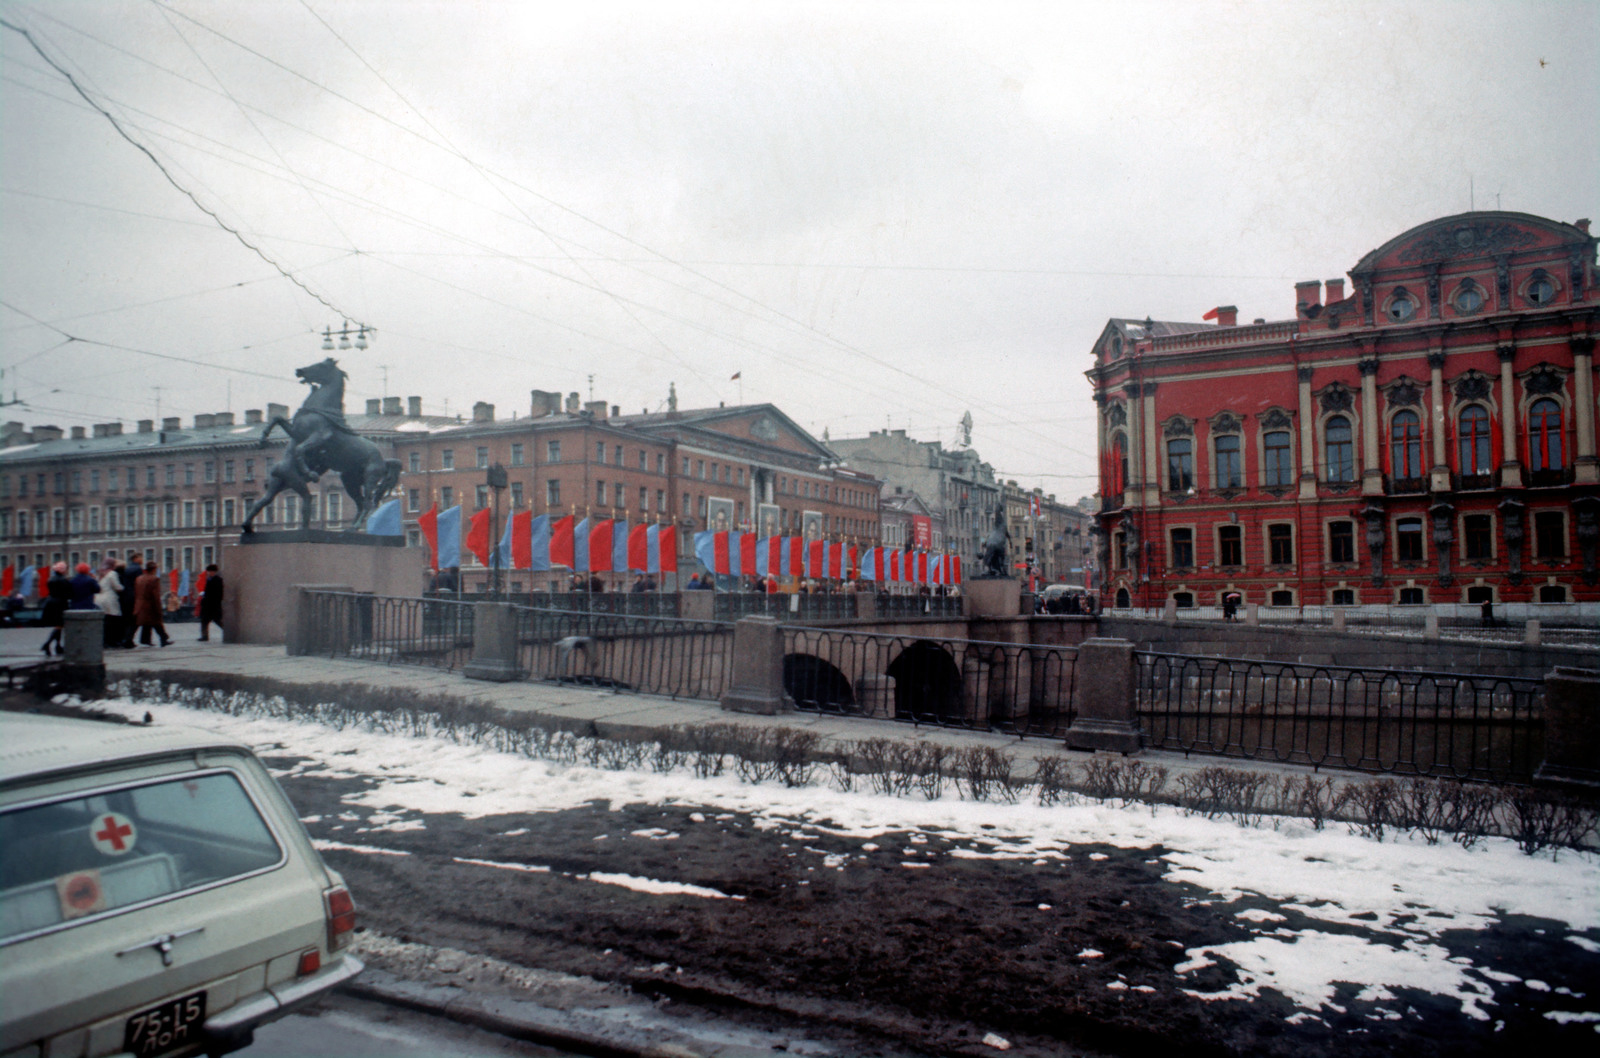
<point>25,583</point>
<point>450,537</point>
<point>385,521</point>
<point>500,557</point>
<point>183,585</point>
<point>541,543</point>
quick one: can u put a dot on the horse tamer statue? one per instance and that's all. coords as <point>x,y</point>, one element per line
<point>320,441</point>
<point>994,547</point>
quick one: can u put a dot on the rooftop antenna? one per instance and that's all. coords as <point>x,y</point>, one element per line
<point>591,388</point>
<point>1472,196</point>
<point>385,369</point>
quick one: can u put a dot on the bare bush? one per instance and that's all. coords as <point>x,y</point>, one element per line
<point>1218,791</point>
<point>1307,796</point>
<point>1053,778</point>
<point>983,772</point>
<point>1539,819</point>
<point>1372,807</point>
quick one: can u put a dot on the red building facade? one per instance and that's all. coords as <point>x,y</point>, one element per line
<point>1426,439</point>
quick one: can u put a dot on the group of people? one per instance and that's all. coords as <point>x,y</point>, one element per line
<point>129,595</point>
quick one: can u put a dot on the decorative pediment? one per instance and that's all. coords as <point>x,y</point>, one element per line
<point>1276,419</point>
<point>1544,380</point>
<point>1118,415</point>
<point>1474,385</point>
<point>1471,235</point>
<point>1225,422</point>
<point>1470,239</point>
<point>1404,394</point>
<point>1178,427</point>
<point>764,428</point>
<point>1337,398</point>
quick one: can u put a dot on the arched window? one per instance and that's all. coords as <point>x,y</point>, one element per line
<point>1229,473</point>
<point>1119,465</point>
<point>1405,446</point>
<point>1180,464</point>
<point>1279,458</point>
<point>1340,450</point>
<point>1544,436</point>
<point>1473,434</point>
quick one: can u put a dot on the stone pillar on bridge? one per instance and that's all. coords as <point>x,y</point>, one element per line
<point>757,684</point>
<point>1106,692</point>
<point>83,651</point>
<point>494,643</point>
<point>1571,730</point>
<point>993,597</point>
<point>697,605</point>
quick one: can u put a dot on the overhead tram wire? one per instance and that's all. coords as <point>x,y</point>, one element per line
<point>657,255</point>
<point>258,251</point>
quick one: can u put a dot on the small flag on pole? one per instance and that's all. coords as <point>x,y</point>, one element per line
<point>735,377</point>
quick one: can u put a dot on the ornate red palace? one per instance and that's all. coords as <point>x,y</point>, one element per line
<point>1427,439</point>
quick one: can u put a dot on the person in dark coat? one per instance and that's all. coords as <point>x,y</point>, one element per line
<point>147,606</point>
<point>59,597</point>
<point>84,588</point>
<point>211,603</point>
<point>130,580</point>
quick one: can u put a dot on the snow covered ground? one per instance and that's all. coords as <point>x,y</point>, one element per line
<point>1383,905</point>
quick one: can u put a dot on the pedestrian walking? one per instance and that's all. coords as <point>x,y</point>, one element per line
<point>1487,613</point>
<point>58,597</point>
<point>147,606</point>
<point>211,603</point>
<point>84,588</point>
<point>109,599</point>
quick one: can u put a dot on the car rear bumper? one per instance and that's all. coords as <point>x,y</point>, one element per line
<point>274,1002</point>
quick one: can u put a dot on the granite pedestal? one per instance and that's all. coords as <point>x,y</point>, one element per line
<point>259,574</point>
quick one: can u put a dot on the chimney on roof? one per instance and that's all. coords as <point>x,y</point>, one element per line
<point>252,417</point>
<point>391,406</point>
<point>1582,224</point>
<point>616,410</point>
<point>102,429</point>
<point>147,426</point>
<point>1335,289</point>
<point>414,407</point>
<point>572,404</point>
<point>277,411</point>
<point>77,433</point>
<point>1227,315</point>
<point>204,422</point>
<point>483,412</point>
<point>222,418</point>
<point>374,405</point>
<point>1307,294</point>
<point>13,433</point>
<point>113,429</point>
<point>46,433</point>
<point>542,402</point>
<point>595,408</point>
<point>172,423</point>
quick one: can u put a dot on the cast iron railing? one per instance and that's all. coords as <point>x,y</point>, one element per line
<point>1417,723</point>
<point>394,631</point>
<point>1018,688</point>
<point>648,655</point>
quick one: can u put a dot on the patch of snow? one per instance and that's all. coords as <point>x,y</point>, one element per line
<point>322,844</point>
<point>529,868</point>
<point>650,885</point>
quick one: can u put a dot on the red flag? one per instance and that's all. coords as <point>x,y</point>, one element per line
<point>735,377</point>
<point>719,551</point>
<point>477,538</point>
<point>429,524</point>
<point>639,547</point>
<point>172,577</point>
<point>1210,315</point>
<point>815,558</point>
<point>747,554</point>
<point>797,557</point>
<point>8,580</point>
<point>561,553</point>
<point>667,545</point>
<point>522,540</point>
<point>600,546</point>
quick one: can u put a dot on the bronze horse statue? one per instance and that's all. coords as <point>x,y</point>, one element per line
<point>994,547</point>
<point>320,441</point>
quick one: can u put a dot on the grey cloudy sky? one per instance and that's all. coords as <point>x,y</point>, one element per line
<point>879,214</point>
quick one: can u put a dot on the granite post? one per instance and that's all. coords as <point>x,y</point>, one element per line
<point>1106,692</point>
<point>1571,730</point>
<point>494,643</point>
<point>757,685</point>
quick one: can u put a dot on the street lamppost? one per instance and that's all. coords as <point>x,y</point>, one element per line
<point>496,481</point>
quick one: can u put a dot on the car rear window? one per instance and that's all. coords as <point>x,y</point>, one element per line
<point>95,853</point>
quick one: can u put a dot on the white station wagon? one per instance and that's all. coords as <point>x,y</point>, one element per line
<point>158,895</point>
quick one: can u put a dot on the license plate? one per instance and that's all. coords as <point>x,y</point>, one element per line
<point>175,1023</point>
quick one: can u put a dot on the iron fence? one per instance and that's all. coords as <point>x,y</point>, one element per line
<point>649,655</point>
<point>1018,688</point>
<point>394,631</point>
<point>1418,723</point>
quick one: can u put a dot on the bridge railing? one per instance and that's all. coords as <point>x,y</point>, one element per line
<point>1019,688</point>
<point>387,629</point>
<point>1382,720</point>
<point>649,655</point>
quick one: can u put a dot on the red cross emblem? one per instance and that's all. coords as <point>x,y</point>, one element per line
<point>116,835</point>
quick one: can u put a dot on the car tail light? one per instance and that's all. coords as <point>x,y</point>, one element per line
<point>341,917</point>
<point>310,962</point>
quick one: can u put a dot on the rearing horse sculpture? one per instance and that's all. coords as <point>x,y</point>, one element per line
<point>320,441</point>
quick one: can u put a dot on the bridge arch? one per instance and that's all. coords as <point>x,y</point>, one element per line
<point>815,683</point>
<point>927,684</point>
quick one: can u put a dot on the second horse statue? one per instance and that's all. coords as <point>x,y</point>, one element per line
<point>321,441</point>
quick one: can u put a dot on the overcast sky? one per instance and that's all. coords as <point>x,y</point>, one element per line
<point>879,214</point>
